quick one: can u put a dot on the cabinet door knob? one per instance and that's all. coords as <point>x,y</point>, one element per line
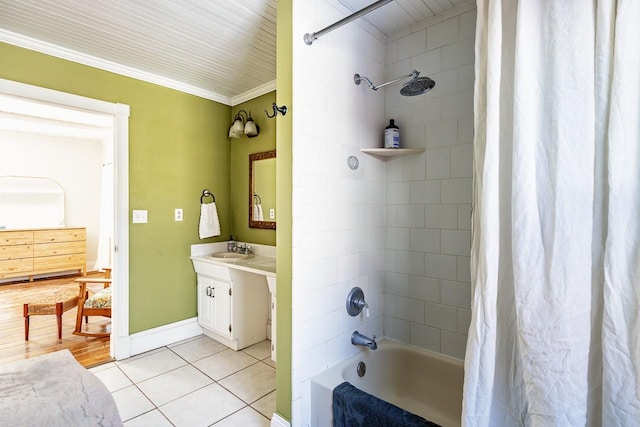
<point>208,291</point>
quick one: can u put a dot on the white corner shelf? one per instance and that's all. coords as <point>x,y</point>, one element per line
<point>391,152</point>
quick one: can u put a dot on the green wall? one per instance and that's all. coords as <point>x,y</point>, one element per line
<point>178,146</point>
<point>284,181</point>
<point>240,150</point>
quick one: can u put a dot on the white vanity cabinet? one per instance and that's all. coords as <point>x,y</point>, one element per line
<point>214,305</point>
<point>233,305</point>
<point>236,295</point>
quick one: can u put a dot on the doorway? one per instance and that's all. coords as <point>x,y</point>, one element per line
<point>82,114</point>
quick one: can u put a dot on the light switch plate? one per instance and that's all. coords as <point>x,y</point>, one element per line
<point>139,216</point>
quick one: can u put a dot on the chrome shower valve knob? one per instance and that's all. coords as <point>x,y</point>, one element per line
<point>356,302</point>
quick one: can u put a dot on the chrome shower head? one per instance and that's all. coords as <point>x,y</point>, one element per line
<point>417,86</point>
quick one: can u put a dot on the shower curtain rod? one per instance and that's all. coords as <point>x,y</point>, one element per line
<point>309,38</point>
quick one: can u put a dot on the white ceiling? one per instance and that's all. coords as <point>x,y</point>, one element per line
<point>401,14</point>
<point>32,117</point>
<point>223,50</point>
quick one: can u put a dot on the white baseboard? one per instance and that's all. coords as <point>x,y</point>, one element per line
<point>120,347</point>
<point>278,421</point>
<point>164,335</point>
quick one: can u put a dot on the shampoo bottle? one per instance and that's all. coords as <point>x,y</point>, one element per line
<point>392,135</point>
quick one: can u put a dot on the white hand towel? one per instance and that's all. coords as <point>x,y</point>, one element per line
<point>258,216</point>
<point>209,222</point>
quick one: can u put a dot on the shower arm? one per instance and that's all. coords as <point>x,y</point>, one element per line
<point>357,78</point>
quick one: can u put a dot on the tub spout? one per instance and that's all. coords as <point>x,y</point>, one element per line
<point>358,339</point>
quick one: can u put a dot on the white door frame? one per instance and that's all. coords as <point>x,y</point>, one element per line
<point>120,347</point>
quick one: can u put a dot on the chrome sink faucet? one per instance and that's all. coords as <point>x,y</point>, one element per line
<point>243,248</point>
<point>358,339</point>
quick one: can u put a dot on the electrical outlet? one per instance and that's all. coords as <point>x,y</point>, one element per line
<point>178,214</point>
<point>139,216</point>
<point>272,213</point>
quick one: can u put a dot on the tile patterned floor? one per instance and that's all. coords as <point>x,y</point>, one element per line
<point>197,382</point>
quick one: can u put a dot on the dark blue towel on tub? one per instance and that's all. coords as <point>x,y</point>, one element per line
<point>353,407</point>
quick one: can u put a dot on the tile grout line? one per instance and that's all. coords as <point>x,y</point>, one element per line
<point>188,363</point>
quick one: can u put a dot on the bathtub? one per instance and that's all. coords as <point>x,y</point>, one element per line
<point>422,382</point>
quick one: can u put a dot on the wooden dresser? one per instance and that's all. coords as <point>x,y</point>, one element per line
<point>42,250</point>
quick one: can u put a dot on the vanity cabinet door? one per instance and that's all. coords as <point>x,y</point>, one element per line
<point>221,321</point>
<point>205,305</point>
<point>214,305</point>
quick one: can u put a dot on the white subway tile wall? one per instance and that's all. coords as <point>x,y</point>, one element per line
<point>427,291</point>
<point>338,213</point>
<point>399,229</point>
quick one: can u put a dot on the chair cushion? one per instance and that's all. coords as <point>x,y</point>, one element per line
<point>100,299</point>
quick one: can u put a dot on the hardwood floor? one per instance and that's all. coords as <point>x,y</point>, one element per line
<point>43,335</point>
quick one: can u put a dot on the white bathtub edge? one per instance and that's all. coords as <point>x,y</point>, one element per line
<point>322,385</point>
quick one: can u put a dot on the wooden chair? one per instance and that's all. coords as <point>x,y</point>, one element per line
<point>99,304</point>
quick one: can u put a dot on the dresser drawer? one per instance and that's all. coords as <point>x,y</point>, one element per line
<point>61,248</point>
<point>59,262</point>
<point>16,252</point>
<point>62,235</point>
<point>16,238</point>
<point>15,267</point>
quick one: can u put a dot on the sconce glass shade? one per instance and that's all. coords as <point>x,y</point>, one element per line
<point>237,128</point>
<point>251,129</point>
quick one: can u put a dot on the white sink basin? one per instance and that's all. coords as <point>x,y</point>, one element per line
<point>229,256</point>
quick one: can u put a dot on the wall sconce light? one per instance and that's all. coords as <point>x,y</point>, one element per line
<point>243,124</point>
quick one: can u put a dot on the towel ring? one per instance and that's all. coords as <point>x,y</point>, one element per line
<point>259,199</point>
<point>207,193</point>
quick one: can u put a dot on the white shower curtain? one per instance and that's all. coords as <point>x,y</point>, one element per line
<point>555,330</point>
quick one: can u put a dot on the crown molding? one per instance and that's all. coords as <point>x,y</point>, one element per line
<point>254,93</point>
<point>92,61</point>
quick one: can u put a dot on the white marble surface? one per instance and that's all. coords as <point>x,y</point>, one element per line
<point>263,262</point>
<point>210,248</point>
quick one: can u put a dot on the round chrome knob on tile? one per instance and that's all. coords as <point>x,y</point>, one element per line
<point>356,302</point>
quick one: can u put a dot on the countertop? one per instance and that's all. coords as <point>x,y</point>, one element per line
<point>263,262</point>
<point>257,264</point>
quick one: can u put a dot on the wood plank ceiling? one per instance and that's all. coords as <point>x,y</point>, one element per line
<point>218,49</point>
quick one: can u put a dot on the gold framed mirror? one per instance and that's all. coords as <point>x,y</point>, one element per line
<point>262,190</point>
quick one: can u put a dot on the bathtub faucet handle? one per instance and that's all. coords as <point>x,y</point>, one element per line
<point>356,302</point>
<point>363,304</point>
